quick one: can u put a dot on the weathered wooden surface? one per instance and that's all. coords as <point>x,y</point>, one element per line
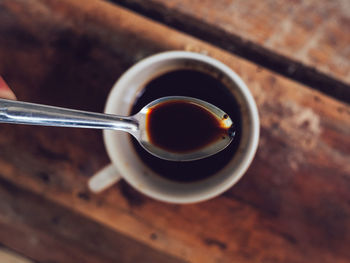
<point>49,232</point>
<point>316,33</point>
<point>305,40</point>
<point>293,205</point>
<point>8,256</point>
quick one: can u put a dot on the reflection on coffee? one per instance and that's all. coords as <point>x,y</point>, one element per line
<point>197,84</point>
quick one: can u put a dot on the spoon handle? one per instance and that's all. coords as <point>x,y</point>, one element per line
<point>18,112</point>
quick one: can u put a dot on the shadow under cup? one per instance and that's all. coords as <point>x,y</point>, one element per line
<point>182,74</point>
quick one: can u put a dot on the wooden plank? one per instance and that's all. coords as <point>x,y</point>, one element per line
<point>304,40</point>
<point>293,205</point>
<point>8,256</point>
<point>49,232</point>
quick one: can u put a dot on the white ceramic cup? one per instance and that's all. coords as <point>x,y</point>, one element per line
<point>127,164</point>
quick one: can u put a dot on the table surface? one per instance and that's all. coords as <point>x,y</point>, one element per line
<point>307,41</point>
<point>293,204</point>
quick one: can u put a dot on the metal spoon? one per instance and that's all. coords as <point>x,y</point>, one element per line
<point>18,112</point>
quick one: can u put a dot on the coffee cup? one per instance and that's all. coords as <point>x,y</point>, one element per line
<point>127,162</point>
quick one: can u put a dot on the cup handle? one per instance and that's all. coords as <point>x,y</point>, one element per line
<point>104,178</point>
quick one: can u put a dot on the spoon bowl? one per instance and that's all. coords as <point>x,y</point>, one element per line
<point>139,125</point>
<point>222,139</point>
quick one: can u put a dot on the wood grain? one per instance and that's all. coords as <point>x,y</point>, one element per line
<point>49,232</point>
<point>317,33</point>
<point>293,205</point>
<point>8,256</point>
<point>304,40</point>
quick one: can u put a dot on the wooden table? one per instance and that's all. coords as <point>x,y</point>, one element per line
<point>293,204</point>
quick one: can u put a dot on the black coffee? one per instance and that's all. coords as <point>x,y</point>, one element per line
<point>181,126</point>
<point>197,84</point>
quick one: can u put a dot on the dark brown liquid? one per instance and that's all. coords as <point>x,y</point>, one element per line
<point>191,83</point>
<point>181,126</point>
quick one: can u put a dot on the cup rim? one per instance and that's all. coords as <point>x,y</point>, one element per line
<point>253,112</point>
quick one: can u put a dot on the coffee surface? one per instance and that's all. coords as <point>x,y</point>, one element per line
<point>181,126</point>
<point>197,84</point>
